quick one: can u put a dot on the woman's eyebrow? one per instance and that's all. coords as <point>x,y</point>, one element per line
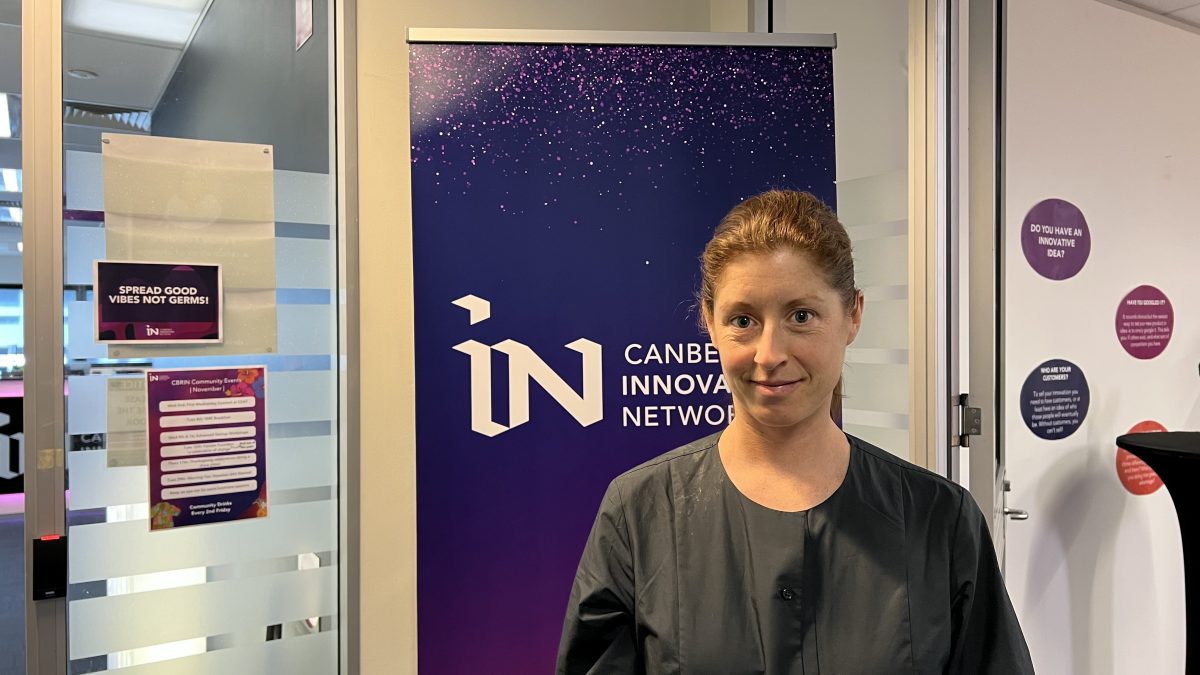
<point>743,305</point>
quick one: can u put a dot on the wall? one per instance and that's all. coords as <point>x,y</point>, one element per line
<point>1101,109</point>
<point>242,79</point>
<point>388,572</point>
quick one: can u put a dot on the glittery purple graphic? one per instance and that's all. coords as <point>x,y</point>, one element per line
<point>1145,322</point>
<point>1056,239</point>
<point>717,106</point>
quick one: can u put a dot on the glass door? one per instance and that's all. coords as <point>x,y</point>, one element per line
<point>195,361</point>
<point>12,357</point>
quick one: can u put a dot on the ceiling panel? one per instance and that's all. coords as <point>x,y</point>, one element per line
<point>1190,15</point>
<point>1162,6</point>
<point>10,12</point>
<point>129,75</point>
<point>10,59</point>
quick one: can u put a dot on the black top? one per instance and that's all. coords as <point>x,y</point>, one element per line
<point>775,559</point>
<point>897,575</point>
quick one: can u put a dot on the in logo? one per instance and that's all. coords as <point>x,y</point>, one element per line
<point>150,330</point>
<point>524,365</point>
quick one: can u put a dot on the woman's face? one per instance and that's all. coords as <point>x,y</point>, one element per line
<point>781,332</point>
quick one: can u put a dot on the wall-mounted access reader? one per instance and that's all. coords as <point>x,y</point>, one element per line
<point>49,567</point>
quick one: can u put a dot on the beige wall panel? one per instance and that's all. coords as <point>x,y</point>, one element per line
<point>388,566</point>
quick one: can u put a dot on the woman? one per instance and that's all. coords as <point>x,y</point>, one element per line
<point>782,545</point>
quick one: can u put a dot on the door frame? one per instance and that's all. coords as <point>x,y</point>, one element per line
<point>984,189</point>
<point>42,235</point>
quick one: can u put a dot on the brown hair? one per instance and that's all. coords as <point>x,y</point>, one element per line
<point>772,220</point>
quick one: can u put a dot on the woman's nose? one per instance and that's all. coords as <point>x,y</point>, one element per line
<point>770,351</point>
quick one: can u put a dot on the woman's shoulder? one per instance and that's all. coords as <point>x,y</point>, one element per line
<point>923,488</point>
<point>686,460</point>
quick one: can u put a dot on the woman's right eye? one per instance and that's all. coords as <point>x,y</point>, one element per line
<point>740,321</point>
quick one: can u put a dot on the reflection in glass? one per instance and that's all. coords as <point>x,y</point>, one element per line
<point>12,340</point>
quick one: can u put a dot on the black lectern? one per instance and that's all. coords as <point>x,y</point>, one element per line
<point>1175,457</point>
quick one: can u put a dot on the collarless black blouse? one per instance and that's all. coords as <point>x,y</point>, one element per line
<point>894,573</point>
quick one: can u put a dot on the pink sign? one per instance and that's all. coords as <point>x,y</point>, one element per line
<point>1137,476</point>
<point>1145,322</point>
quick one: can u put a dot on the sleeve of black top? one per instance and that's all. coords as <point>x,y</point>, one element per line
<point>598,635</point>
<point>986,636</point>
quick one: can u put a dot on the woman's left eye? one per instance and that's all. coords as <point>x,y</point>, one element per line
<point>802,316</point>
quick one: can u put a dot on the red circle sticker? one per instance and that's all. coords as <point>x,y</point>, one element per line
<point>1136,475</point>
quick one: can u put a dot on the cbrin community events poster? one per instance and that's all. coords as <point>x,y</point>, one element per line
<point>562,194</point>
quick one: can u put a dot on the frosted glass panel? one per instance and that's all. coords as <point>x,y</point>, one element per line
<point>304,263</point>
<point>196,611</point>
<point>303,197</point>
<point>307,655</point>
<point>871,108</point>
<point>106,550</point>
<point>81,329</point>
<point>295,463</point>
<point>87,411</point>
<point>83,245</point>
<point>306,329</point>
<point>301,396</point>
<point>880,387</point>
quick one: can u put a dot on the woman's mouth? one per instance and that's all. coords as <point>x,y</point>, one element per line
<point>775,387</point>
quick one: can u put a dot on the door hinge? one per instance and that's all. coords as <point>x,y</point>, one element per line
<point>970,421</point>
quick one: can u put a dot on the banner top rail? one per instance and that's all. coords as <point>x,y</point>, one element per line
<point>616,37</point>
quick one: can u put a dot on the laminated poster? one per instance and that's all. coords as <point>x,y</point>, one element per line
<point>214,200</point>
<point>166,303</point>
<point>208,433</point>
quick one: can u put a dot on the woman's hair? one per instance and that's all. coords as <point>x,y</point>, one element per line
<point>773,220</point>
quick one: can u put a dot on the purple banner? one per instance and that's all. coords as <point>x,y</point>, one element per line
<point>561,197</point>
<point>208,436</point>
<point>157,302</point>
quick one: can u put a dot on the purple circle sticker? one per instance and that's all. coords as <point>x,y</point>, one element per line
<point>1056,239</point>
<point>1145,322</point>
<point>1054,399</point>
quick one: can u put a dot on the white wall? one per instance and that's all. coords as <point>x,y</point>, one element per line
<point>1101,111</point>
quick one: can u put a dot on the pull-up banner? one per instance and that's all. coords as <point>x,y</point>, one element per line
<point>562,194</point>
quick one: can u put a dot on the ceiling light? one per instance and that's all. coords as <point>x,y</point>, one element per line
<point>81,74</point>
<point>10,180</point>
<point>168,22</point>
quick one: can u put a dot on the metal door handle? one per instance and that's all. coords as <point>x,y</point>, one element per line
<point>1016,514</point>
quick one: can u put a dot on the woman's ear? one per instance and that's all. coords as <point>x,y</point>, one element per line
<point>856,314</point>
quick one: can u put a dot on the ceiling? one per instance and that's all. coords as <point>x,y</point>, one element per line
<point>1184,11</point>
<point>126,50</point>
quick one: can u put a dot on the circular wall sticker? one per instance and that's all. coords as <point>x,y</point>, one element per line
<point>1145,322</point>
<point>1054,399</point>
<point>1056,239</point>
<point>1137,476</point>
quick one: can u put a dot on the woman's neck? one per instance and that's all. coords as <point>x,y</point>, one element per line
<point>788,469</point>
